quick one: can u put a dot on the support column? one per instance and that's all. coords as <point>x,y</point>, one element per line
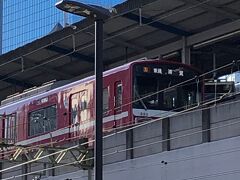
<point>166,134</point>
<point>206,136</point>
<point>89,174</point>
<point>129,144</point>
<point>186,52</point>
<point>214,65</point>
<point>51,172</point>
<point>24,168</point>
<point>1,167</point>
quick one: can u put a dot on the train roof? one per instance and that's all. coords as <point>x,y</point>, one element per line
<point>53,87</point>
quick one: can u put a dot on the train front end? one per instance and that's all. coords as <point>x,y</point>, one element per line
<point>160,89</point>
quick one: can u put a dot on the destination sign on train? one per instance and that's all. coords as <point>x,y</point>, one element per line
<point>157,70</point>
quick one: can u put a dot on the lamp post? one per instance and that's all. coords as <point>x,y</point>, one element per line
<point>98,14</point>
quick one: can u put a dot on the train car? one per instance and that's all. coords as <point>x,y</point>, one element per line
<point>139,90</point>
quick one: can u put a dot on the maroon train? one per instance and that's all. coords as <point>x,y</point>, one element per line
<point>56,113</point>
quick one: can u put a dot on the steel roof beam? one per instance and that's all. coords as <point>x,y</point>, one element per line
<point>25,83</point>
<point>230,49</point>
<point>224,31</point>
<point>16,82</point>
<point>214,9</point>
<point>47,69</point>
<point>123,43</point>
<point>119,41</point>
<point>73,54</point>
<point>157,24</point>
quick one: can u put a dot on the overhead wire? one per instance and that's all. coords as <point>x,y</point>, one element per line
<point>31,161</point>
<point>113,17</point>
<point>59,141</point>
<point>89,45</point>
<point>154,120</point>
<point>229,150</point>
<point>179,84</point>
<point>149,22</point>
<point>180,160</point>
<point>69,126</point>
<point>140,125</point>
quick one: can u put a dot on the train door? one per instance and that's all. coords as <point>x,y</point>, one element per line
<point>10,126</point>
<point>118,97</point>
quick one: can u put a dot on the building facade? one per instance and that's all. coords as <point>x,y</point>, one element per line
<point>1,19</point>
<point>24,21</point>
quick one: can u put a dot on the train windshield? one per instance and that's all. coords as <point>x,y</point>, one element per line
<point>157,87</point>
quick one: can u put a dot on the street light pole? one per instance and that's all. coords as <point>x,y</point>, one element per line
<point>99,14</point>
<point>98,149</point>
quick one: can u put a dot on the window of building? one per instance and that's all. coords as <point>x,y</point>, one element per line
<point>42,120</point>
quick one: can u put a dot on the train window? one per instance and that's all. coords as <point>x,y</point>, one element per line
<point>216,89</point>
<point>105,100</point>
<point>42,120</point>
<point>74,108</point>
<point>118,97</point>
<point>170,98</point>
<point>78,106</point>
<point>156,88</point>
<point>10,128</point>
<point>83,97</point>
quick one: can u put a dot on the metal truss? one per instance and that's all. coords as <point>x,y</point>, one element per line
<point>82,155</point>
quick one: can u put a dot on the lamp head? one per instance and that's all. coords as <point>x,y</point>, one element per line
<point>84,10</point>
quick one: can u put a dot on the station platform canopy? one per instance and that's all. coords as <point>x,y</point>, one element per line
<point>141,28</point>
